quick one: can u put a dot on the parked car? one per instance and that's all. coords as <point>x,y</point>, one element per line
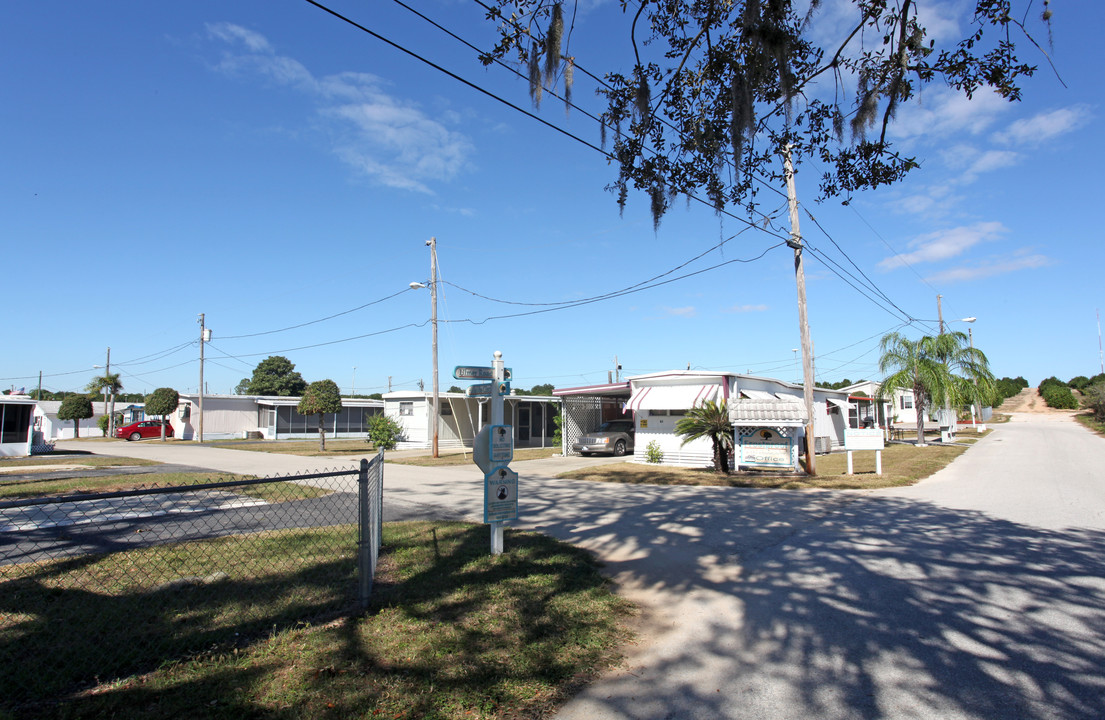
<point>613,436</point>
<point>143,429</point>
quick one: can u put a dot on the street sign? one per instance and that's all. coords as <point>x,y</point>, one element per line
<point>470,372</point>
<point>484,389</point>
<point>502,444</point>
<point>500,495</point>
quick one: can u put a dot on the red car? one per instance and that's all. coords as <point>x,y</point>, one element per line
<point>143,429</point>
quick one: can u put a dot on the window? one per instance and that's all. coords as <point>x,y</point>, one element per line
<point>672,413</point>
<point>406,408</point>
<point>15,421</point>
<point>907,401</point>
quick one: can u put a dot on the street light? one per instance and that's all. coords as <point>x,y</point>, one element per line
<point>971,338</point>
<point>432,243</point>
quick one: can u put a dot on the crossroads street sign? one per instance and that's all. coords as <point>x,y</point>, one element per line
<point>470,372</point>
<point>484,389</point>
<point>500,495</point>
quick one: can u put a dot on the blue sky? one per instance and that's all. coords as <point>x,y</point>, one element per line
<point>269,166</point>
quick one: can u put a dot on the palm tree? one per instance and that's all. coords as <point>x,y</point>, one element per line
<point>109,384</point>
<point>710,419</point>
<point>941,369</point>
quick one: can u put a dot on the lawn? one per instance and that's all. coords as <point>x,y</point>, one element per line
<point>465,458</point>
<point>306,448</point>
<point>42,487</point>
<point>452,632</point>
<point>902,464</point>
<point>58,457</point>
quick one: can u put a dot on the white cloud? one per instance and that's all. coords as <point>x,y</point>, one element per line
<point>945,244</point>
<point>987,269</point>
<point>687,311</point>
<point>746,308</point>
<point>1036,129</point>
<point>382,136</point>
<point>942,112</point>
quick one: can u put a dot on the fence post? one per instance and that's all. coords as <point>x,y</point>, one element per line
<point>365,537</point>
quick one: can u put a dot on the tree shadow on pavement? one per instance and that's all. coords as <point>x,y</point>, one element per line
<point>839,605</point>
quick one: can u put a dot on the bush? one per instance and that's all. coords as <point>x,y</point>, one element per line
<point>1059,397</point>
<point>1048,383</point>
<point>1079,382</point>
<point>558,435</point>
<point>653,453</point>
<point>384,432</point>
<point>1094,400</point>
<point>102,421</point>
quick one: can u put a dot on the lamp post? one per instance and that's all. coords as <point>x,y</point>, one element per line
<point>971,338</point>
<point>354,392</point>
<point>432,243</point>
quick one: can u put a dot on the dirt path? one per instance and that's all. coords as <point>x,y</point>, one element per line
<point>1029,402</point>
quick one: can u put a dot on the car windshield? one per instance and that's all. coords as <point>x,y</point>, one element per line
<point>616,426</point>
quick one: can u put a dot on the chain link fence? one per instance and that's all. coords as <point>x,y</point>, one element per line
<point>96,587</point>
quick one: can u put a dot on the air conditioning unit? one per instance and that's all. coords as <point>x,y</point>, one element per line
<point>822,444</point>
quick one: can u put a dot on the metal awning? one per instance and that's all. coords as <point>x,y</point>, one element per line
<point>774,412</point>
<point>786,397</point>
<point>670,397</point>
<point>842,404</point>
<point>761,395</point>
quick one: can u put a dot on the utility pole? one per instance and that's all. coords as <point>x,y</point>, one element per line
<point>38,393</point>
<point>354,393</point>
<point>1100,354</point>
<point>203,338</point>
<point>795,242</point>
<point>110,413</point>
<point>389,383</point>
<point>432,242</point>
<point>617,370</point>
<point>940,312</point>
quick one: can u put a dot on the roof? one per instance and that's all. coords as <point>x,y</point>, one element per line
<point>611,389</point>
<point>767,412</point>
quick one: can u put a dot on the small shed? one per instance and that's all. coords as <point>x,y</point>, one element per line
<point>16,425</point>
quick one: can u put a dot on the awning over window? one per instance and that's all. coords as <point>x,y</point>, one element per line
<point>670,397</point>
<point>842,404</point>
<point>762,395</point>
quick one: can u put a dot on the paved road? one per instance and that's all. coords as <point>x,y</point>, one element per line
<point>979,593</point>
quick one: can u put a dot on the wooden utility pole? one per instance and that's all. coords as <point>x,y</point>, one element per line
<point>795,242</point>
<point>199,420</point>
<point>432,242</point>
<point>940,312</point>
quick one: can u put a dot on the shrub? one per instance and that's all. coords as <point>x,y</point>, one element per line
<point>1059,397</point>
<point>1079,382</point>
<point>103,421</point>
<point>558,435</point>
<point>1048,383</point>
<point>384,432</point>
<point>1094,400</point>
<point>653,453</point>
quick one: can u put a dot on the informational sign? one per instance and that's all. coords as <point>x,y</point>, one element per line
<point>500,495</point>
<point>866,439</point>
<point>484,389</point>
<point>472,372</point>
<point>502,444</point>
<point>765,447</point>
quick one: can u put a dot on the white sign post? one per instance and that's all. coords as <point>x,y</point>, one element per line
<point>866,439</point>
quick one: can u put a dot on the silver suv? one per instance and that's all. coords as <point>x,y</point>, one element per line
<point>613,436</point>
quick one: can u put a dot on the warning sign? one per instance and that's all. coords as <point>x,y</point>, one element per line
<point>500,495</point>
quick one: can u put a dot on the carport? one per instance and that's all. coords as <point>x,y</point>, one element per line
<point>587,407</point>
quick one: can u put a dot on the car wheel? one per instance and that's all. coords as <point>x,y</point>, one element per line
<point>619,448</point>
<point>586,454</point>
<point>135,436</point>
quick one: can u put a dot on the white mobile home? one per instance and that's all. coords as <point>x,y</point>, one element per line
<point>659,400</point>
<point>267,417</point>
<point>47,423</point>
<point>531,416</point>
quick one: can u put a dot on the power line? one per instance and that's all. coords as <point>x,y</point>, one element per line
<point>313,322</point>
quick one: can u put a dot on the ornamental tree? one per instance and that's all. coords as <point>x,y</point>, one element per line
<point>163,401</point>
<point>716,91</point>
<point>76,408</point>
<point>276,375</point>
<point>320,398</point>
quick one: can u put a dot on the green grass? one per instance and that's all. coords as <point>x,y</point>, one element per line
<point>270,492</point>
<point>465,458</point>
<point>901,465</point>
<point>63,458</point>
<point>306,448</point>
<point>1087,419</point>
<point>452,632</point>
